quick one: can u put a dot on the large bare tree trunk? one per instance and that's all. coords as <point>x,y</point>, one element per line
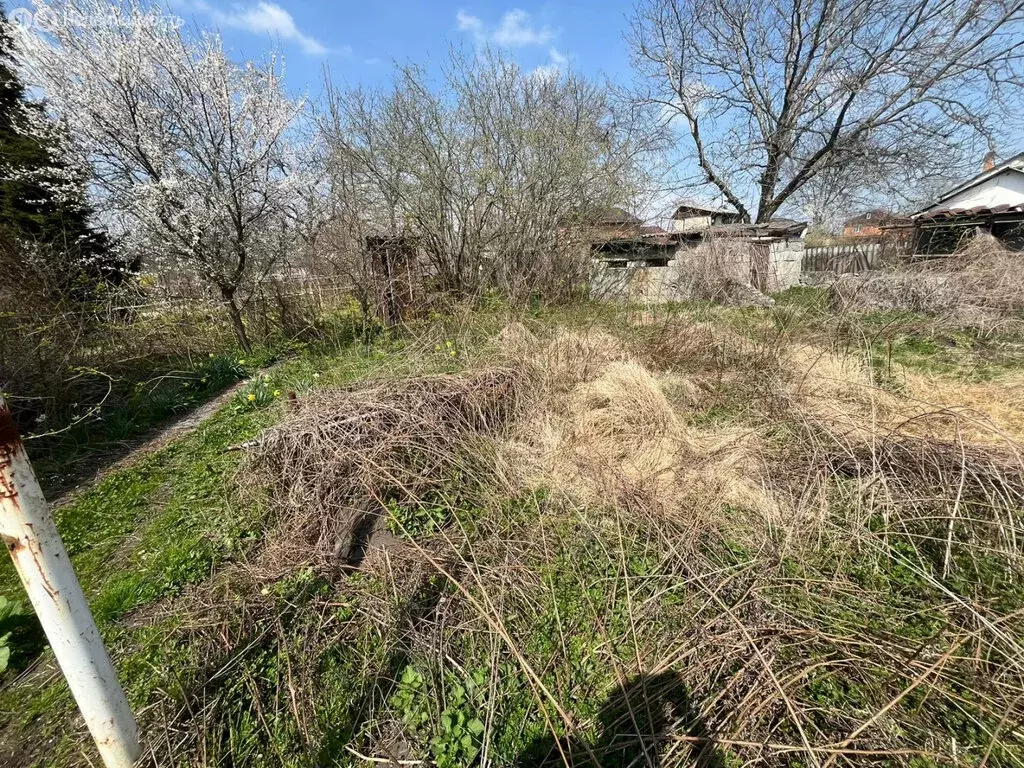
<point>781,97</point>
<point>235,313</point>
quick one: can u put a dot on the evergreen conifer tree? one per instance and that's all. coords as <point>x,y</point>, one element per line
<point>42,203</point>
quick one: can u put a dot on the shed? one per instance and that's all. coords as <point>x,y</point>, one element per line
<point>992,201</point>
<point>654,267</point>
<point>395,273</point>
<point>690,216</point>
<point>775,249</point>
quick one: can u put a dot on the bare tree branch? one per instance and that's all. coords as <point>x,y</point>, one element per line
<point>775,92</point>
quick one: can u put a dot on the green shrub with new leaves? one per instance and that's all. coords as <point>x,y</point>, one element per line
<point>454,739</point>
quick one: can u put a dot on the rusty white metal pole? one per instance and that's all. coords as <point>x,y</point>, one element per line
<point>28,531</point>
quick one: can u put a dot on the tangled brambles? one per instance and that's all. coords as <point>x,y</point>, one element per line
<point>981,285</point>
<point>344,455</point>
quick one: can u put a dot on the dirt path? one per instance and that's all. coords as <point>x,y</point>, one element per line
<point>188,422</point>
<point>154,441</point>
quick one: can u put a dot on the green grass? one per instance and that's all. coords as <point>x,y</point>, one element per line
<point>108,409</point>
<point>72,441</point>
<point>902,338</point>
<point>302,668</point>
<point>148,531</point>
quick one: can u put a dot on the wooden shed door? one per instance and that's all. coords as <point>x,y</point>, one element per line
<point>760,265</point>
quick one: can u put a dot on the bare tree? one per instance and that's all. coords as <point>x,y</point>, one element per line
<point>347,215</point>
<point>187,148</point>
<point>771,94</point>
<point>486,169</point>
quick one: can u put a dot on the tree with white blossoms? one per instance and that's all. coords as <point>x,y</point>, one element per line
<point>188,148</point>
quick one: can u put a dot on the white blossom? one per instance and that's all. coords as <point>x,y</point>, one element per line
<point>188,148</point>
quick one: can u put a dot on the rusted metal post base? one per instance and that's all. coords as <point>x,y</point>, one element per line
<point>28,531</point>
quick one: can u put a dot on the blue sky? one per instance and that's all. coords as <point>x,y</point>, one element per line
<point>360,40</point>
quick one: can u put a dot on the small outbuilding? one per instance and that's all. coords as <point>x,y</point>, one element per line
<point>992,201</point>
<point>396,277</point>
<point>691,216</point>
<point>662,266</point>
<point>775,250</point>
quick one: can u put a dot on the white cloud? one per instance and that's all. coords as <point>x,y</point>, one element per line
<point>515,30</point>
<point>472,24</point>
<point>266,18</point>
<point>557,62</point>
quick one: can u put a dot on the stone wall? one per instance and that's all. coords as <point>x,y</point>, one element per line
<point>638,283</point>
<point>787,258</point>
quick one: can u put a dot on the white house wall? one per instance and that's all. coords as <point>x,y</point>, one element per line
<point>1006,188</point>
<point>690,224</point>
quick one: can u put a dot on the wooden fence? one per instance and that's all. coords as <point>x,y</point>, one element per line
<point>843,259</point>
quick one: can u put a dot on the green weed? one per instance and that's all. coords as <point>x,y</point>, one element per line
<point>454,740</point>
<point>300,668</point>
<point>9,610</point>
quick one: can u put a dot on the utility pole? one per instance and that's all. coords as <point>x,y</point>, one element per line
<point>30,534</point>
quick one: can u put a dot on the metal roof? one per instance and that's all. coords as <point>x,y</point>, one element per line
<point>651,230</point>
<point>633,244</point>
<point>695,206</point>
<point>977,211</point>
<point>771,229</point>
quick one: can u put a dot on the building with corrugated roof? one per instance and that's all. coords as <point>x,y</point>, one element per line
<point>690,216</point>
<point>992,201</point>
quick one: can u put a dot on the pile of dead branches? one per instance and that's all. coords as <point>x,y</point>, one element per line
<point>815,549</point>
<point>345,454</point>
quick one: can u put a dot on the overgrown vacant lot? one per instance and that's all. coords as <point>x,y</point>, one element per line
<point>690,536</point>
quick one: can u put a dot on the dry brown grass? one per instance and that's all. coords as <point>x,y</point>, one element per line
<point>343,455</point>
<point>676,344</point>
<point>840,389</point>
<point>984,413</point>
<point>611,438</point>
<point>571,358</point>
<point>605,429</point>
<point>986,276</point>
<point>843,389</point>
<point>981,285</point>
<point>837,554</point>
